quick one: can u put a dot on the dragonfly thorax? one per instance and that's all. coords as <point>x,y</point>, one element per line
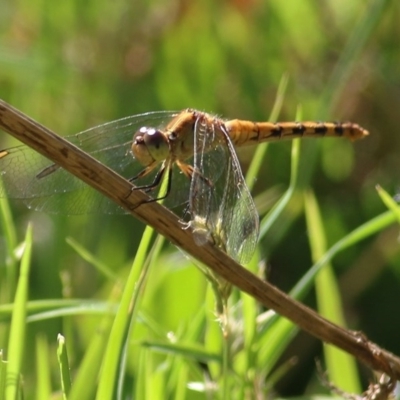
<point>150,145</point>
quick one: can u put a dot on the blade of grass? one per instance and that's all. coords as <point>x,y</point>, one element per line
<point>278,337</point>
<point>113,350</point>
<point>3,375</point>
<point>271,218</point>
<point>7,224</point>
<point>195,353</point>
<point>365,230</point>
<point>18,322</point>
<point>62,356</point>
<point>85,380</point>
<point>8,227</point>
<point>350,56</point>
<point>181,391</point>
<point>61,308</point>
<point>389,202</point>
<point>279,331</point>
<point>250,310</point>
<point>339,79</point>
<point>151,259</point>
<point>152,383</point>
<point>341,366</point>
<point>143,374</point>
<point>43,375</point>
<point>259,154</point>
<point>92,260</point>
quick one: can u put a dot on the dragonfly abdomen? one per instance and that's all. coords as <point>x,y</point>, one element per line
<point>244,133</point>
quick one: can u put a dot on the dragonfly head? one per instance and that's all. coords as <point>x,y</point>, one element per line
<point>150,145</point>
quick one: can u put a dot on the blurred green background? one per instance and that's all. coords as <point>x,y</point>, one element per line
<point>72,65</point>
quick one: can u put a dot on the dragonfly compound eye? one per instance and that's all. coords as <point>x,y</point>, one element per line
<point>150,145</point>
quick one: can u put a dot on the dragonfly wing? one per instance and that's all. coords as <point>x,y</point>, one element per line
<point>86,200</point>
<point>221,205</point>
<point>46,187</point>
<point>43,186</point>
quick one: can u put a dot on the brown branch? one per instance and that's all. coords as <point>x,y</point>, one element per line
<point>166,223</point>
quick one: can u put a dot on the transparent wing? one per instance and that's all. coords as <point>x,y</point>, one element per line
<point>221,205</point>
<point>43,186</point>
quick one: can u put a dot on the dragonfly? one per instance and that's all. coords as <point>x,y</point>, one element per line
<point>193,151</point>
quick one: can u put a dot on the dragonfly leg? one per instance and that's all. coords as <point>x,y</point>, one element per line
<point>156,181</point>
<point>151,186</point>
<point>148,188</point>
<point>167,192</point>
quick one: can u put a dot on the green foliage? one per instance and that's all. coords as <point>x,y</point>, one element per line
<point>139,320</point>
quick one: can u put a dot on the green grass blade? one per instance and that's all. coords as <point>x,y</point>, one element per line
<point>277,331</point>
<point>143,374</point>
<point>389,202</point>
<point>7,224</point>
<point>85,380</point>
<point>270,219</point>
<point>92,260</point>
<point>18,322</point>
<point>43,368</point>
<point>151,382</point>
<point>3,375</point>
<point>365,230</point>
<point>153,256</point>
<point>40,310</point>
<point>115,345</point>
<point>63,363</point>
<point>187,351</point>
<point>341,366</point>
<point>259,154</point>
<point>276,212</point>
<point>8,227</point>
<point>350,55</point>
